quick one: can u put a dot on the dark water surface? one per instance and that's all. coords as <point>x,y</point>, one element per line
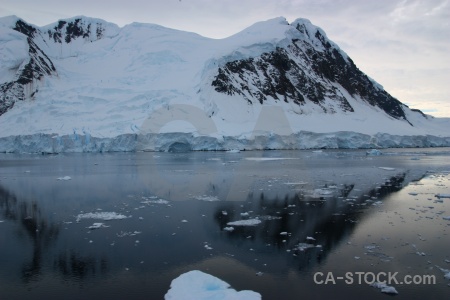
<point>361,213</point>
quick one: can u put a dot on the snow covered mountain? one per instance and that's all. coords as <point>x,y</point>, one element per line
<point>84,84</point>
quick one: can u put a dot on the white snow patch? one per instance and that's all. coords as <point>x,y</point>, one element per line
<point>196,285</point>
<point>249,222</point>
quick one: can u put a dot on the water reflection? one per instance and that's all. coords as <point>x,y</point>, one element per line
<point>32,225</point>
<point>72,265</point>
<point>293,220</point>
<point>324,212</point>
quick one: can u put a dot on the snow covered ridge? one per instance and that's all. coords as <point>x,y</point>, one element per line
<point>182,142</point>
<point>83,84</point>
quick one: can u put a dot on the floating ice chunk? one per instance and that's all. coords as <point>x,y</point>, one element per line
<point>101,216</point>
<point>224,212</point>
<point>385,288</point>
<point>97,225</point>
<point>445,271</point>
<point>196,285</point>
<point>230,228</point>
<point>386,168</point>
<point>64,178</point>
<point>304,246</point>
<point>317,151</point>
<point>296,183</point>
<point>249,222</point>
<point>374,152</point>
<point>234,151</point>
<point>446,218</point>
<point>123,234</point>
<point>268,218</point>
<point>207,198</point>
<point>245,214</point>
<point>443,195</point>
<point>158,201</point>
<point>184,221</point>
<point>283,233</point>
<point>413,193</point>
<point>267,158</point>
<point>309,238</point>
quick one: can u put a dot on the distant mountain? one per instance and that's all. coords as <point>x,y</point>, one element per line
<point>84,84</point>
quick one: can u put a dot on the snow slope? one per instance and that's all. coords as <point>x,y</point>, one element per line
<point>84,84</point>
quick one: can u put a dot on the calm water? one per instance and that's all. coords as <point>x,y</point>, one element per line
<point>361,213</point>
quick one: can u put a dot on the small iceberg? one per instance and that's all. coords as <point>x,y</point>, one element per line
<point>64,178</point>
<point>374,152</point>
<point>234,151</point>
<point>196,285</point>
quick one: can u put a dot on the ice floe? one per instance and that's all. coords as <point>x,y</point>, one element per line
<point>267,158</point>
<point>129,233</point>
<point>153,200</point>
<point>249,222</point>
<point>196,285</point>
<point>387,289</point>
<point>374,152</point>
<point>106,216</point>
<point>303,246</point>
<point>207,198</point>
<point>229,228</point>
<point>97,226</point>
<point>64,178</point>
<point>386,168</point>
<point>443,195</point>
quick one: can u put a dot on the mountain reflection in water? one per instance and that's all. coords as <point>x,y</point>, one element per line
<point>317,200</point>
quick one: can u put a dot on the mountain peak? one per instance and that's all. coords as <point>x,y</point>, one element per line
<point>91,29</point>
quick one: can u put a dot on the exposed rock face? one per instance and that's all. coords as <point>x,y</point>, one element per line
<point>302,72</point>
<point>28,73</point>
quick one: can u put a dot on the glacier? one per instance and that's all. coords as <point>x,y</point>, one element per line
<point>86,85</point>
<point>183,142</point>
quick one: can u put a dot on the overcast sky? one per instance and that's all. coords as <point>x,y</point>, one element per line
<point>404,45</point>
